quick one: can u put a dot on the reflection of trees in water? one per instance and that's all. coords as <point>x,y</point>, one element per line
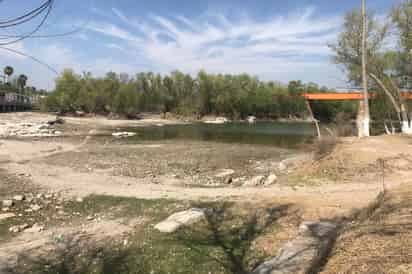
<point>286,135</point>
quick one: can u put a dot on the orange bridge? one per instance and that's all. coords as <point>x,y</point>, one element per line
<point>346,96</point>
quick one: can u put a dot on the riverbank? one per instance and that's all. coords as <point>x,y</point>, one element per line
<point>93,185</point>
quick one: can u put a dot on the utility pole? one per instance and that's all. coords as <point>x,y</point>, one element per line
<point>366,115</point>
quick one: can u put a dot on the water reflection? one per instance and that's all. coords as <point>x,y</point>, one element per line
<point>267,133</point>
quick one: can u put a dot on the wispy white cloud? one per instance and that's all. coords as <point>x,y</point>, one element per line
<point>113,31</point>
<point>221,44</point>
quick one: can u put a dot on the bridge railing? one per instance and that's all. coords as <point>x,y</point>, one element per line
<point>12,98</point>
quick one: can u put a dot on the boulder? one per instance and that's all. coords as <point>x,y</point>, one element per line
<point>224,173</point>
<point>255,181</point>
<point>35,207</point>
<point>304,252</point>
<point>36,228</point>
<point>270,180</point>
<point>7,203</point>
<point>217,120</point>
<point>18,198</point>
<point>183,218</point>
<point>18,228</point>
<point>251,119</point>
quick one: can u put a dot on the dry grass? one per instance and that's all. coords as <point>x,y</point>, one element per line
<point>381,243</point>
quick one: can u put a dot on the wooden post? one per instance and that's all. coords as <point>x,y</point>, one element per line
<point>313,119</point>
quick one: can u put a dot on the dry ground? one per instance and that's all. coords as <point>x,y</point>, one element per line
<point>83,164</point>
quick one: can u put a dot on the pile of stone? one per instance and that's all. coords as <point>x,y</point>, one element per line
<point>258,180</point>
<point>20,205</point>
<point>44,129</point>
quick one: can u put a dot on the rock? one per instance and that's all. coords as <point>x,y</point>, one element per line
<point>270,180</point>
<point>8,203</point>
<point>18,228</point>
<point>5,209</point>
<point>217,120</point>
<point>123,134</point>
<point>79,199</point>
<point>282,166</point>
<point>80,113</point>
<point>57,132</point>
<point>304,252</point>
<point>18,198</point>
<point>255,181</point>
<point>7,216</point>
<point>251,119</point>
<point>48,196</point>
<point>14,229</point>
<point>58,121</point>
<point>224,173</point>
<point>36,228</point>
<point>228,180</point>
<point>183,218</point>
<point>35,207</point>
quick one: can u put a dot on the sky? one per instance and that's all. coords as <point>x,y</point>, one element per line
<point>279,40</point>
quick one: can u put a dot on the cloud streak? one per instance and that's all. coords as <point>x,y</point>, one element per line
<point>224,45</point>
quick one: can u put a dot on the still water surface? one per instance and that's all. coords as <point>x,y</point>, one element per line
<point>280,134</point>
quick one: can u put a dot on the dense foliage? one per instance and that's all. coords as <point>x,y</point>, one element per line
<point>234,96</point>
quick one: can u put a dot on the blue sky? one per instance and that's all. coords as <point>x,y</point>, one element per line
<point>275,40</point>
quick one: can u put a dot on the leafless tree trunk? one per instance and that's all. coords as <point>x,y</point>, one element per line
<point>363,128</point>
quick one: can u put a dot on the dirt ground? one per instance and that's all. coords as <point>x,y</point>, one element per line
<point>83,162</point>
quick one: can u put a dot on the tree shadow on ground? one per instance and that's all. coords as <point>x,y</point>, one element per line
<point>223,241</point>
<point>231,236</point>
<point>74,257</point>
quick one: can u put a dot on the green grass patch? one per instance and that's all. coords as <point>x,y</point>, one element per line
<point>222,243</point>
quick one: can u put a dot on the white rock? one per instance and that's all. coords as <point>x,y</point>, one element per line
<point>35,207</point>
<point>123,134</point>
<point>218,120</point>
<point>270,180</point>
<point>251,119</point>
<point>183,218</point>
<point>79,199</point>
<point>282,166</point>
<point>34,229</point>
<point>255,181</point>
<point>7,203</point>
<point>224,173</point>
<point>18,198</point>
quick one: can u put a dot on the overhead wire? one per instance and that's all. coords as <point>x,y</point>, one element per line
<point>38,27</point>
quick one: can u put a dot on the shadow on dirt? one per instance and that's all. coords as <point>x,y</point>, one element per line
<point>223,243</point>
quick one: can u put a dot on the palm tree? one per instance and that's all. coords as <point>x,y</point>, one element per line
<point>21,82</point>
<point>8,71</point>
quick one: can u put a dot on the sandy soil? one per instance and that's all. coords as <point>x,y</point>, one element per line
<point>82,164</point>
<point>80,167</point>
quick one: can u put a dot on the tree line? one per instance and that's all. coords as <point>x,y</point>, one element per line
<point>233,96</point>
<point>389,70</point>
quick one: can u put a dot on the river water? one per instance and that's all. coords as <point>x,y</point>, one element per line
<point>281,134</point>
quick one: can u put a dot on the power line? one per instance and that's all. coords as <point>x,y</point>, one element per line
<point>34,30</point>
<point>26,17</point>
<point>31,57</point>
